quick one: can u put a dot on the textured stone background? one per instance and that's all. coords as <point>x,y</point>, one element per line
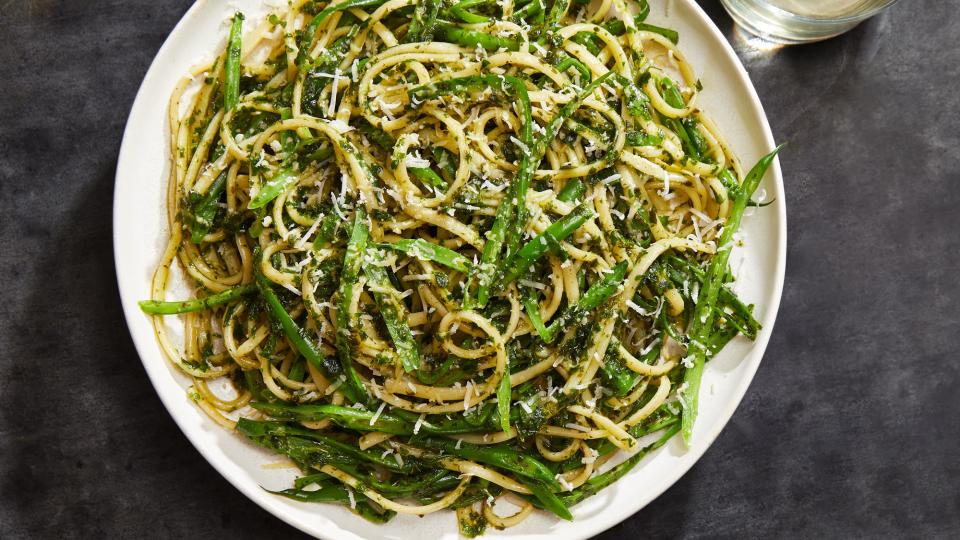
<point>851,428</point>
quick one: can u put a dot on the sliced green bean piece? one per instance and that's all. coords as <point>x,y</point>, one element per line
<point>596,295</point>
<point>572,191</point>
<point>202,213</point>
<point>271,189</point>
<point>424,21</point>
<point>471,38</point>
<point>557,232</point>
<point>503,400</point>
<point>549,500</point>
<point>352,264</point>
<point>421,249</point>
<point>231,69</point>
<point>393,311</point>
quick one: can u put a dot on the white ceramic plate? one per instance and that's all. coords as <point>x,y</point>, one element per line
<point>140,232</point>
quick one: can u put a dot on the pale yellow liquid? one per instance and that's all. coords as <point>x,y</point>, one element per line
<point>823,8</point>
<point>801,21</point>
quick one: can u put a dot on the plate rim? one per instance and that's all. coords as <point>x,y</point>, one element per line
<point>262,499</point>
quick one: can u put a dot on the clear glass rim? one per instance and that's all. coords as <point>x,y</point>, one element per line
<point>858,17</point>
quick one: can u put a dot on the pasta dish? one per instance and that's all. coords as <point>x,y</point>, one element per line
<point>448,255</point>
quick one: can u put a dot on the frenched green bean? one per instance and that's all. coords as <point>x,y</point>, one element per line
<point>154,307</point>
<point>703,314</point>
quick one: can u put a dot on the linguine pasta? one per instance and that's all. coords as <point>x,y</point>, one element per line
<point>448,254</point>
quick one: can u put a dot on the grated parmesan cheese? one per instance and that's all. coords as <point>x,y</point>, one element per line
<point>376,416</point>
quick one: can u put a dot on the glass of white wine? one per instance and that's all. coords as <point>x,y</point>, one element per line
<point>801,21</point>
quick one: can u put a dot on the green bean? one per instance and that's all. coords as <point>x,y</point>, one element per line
<point>681,269</point>
<point>671,94</point>
<point>660,419</point>
<point>288,138</point>
<point>549,500</point>
<point>297,371</point>
<point>596,295</point>
<point>293,332</point>
<point>702,319</point>
<point>439,480</point>
<point>685,128</point>
<point>491,251</point>
<point>346,417</point>
<point>668,33</point>
<point>557,11</point>
<point>352,264</point>
<point>283,179</point>
<point>393,311</point>
<point>331,449</point>
<point>319,155</point>
<point>231,69</point>
<point>513,202</point>
<point>428,177</point>
<point>689,146</point>
<point>303,451</point>
<point>253,378</point>
<point>698,144</point>
<point>384,140</point>
<point>538,246</point>
<point>572,191</point>
<point>311,29</point>
<point>327,231</point>
<point>581,68</point>
<point>497,83</point>
<point>449,372</point>
<point>533,314</point>
<point>529,159</point>
<point>497,456</point>
<point>423,250</point>
<point>155,307</point>
<point>639,138</point>
<point>460,10</point>
<point>590,41</point>
<point>503,399</point>
<point>400,485</point>
<point>719,339</point>
<point>603,289</point>
<point>204,210</point>
<point>600,481</point>
<point>424,21</point>
<point>392,422</point>
<point>376,135</point>
<point>471,38</point>
<point>529,12</point>
<point>529,163</point>
<point>616,375</point>
<point>617,26</point>
<point>638,104</point>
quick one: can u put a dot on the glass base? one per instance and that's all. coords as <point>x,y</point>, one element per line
<point>779,26</point>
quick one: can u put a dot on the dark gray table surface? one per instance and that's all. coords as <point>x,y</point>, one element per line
<point>850,429</point>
